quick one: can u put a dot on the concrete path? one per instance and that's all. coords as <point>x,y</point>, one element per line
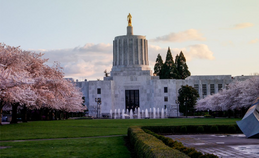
<point>225,146</point>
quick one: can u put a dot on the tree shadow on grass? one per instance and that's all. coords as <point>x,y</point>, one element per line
<point>130,147</point>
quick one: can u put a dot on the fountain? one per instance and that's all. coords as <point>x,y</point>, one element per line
<point>154,113</point>
<point>131,114</point>
<point>166,113</point>
<point>139,117</point>
<point>119,113</point>
<point>123,115</point>
<point>162,113</point>
<point>146,114</point>
<point>150,113</point>
<point>158,116</point>
<point>142,114</point>
<point>115,113</point>
<point>111,114</point>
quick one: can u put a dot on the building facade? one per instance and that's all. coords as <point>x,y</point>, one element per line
<point>132,84</point>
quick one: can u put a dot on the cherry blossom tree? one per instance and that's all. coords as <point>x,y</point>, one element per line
<point>27,82</point>
<point>240,94</point>
<point>14,79</point>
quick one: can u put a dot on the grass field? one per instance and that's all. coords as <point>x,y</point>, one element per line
<point>83,147</point>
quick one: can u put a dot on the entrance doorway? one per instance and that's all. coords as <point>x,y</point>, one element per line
<point>132,99</point>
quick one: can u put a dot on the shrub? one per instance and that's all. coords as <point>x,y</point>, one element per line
<point>208,156</point>
<point>232,129</point>
<point>183,129</point>
<point>192,129</point>
<point>214,129</point>
<point>207,115</point>
<point>146,145</point>
<point>200,129</point>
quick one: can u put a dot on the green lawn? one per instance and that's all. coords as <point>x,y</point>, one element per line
<point>88,128</point>
<point>85,147</point>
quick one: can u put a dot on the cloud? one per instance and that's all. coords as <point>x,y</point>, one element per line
<point>227,43</point>
<point>198,51</point>
<point>86,62</point>
<point>242,25</point>
<point>90,61</point>
<point>188,35</point>
<point>254,41</point>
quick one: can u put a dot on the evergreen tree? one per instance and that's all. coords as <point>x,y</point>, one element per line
<point>158,66</point>
<point>168,69</point>
<point>181,67</point>
<point>187,98</point>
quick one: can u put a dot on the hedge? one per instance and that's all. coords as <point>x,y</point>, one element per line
<point>147,146</point>
<point>194,129</point>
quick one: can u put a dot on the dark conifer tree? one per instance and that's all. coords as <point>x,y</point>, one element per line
<point>168,68</point>
<point>158,66</point>
<point>181,67</point>
<point>187,98</point>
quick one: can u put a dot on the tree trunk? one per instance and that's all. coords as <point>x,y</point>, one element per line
<point>1,111</point>
<point>24,116</point>
<point>14,113</point>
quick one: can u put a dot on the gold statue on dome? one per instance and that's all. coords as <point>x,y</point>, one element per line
<point>129,20</point>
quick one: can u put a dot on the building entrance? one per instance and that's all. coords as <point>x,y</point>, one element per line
<point>132,99</point>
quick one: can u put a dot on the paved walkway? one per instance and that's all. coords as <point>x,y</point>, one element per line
<point>225,146</point>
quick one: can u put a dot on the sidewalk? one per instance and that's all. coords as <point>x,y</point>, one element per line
<point>225,146</point>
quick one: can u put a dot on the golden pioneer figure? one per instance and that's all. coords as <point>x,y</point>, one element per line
<point>129,20</point>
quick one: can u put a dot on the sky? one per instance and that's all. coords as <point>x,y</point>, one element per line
<point>217,37</point>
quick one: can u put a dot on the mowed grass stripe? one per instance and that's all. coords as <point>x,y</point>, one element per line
<point>112,147</point>
<point>90,128</point>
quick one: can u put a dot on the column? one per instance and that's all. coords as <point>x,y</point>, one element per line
<point>147,62</point>
<point>128,52</point>
<point>118,52</point>
<point>142,52</point>
<point>122,51</point>
<point>114,53</point>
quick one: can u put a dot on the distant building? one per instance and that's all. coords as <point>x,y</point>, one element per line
<point>132,85</point>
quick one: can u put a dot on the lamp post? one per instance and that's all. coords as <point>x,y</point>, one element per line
<point>177,103</point>
<point>99,102</point>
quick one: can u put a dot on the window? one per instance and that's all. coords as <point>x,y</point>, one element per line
<point>165,89</point>
<point>204,89</point>
<point>219,87</point>
<point>98,90</point>
<point>166,99</point>
<point>212,89</point>
<point>196,86</point>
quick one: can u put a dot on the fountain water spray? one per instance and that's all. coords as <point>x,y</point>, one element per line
<point>131,114</point>
<point>119,113</point>
<point>115,113</point>
<point>154,113</point>
<point>139,117</point>
<point>123,115</point>
<point>146,114</point>
<point>162,113</point>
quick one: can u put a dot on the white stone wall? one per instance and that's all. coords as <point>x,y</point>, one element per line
<point>151,90</point>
